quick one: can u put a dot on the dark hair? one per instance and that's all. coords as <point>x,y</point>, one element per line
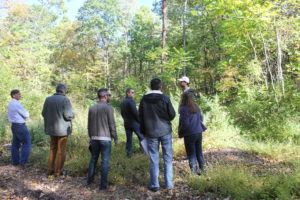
<point>128,90</point>
<point>187,99</point>
<point>102,92</point>
<point>155,84</point>
<point>13,92</point>
<point>61,88</point>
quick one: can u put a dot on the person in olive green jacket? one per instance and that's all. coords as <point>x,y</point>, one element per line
<point>57,113</point>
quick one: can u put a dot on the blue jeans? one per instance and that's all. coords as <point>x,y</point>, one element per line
<point>97,147</point>
<point>21,137</point>
<point>153,147</point>
<point>193,147</point>
<point>129,129</point>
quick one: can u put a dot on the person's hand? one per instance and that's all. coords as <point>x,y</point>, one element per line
<point>116,142</point>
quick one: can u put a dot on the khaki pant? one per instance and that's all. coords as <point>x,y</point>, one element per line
<point>57,155</point>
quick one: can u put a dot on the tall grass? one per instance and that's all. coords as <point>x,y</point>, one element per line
<point>238,183</point>
<point>234,182</point>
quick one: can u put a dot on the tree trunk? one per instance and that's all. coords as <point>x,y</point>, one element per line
<point>107,84</point>
<point>268,67</point>
<point>164,30</point>
<point>184,30</point>
<point>279,60</point>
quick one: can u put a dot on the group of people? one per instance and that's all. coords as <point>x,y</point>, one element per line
<point>151,122</point>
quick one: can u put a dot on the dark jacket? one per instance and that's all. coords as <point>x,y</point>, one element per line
<point>129,112</point>
<point>57,113</point>
<point>101,121</point>
<point>190,123</point>
<point>156,112</point>
<point>191,91</point>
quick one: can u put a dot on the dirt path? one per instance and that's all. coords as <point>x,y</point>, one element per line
<point>32,182</point>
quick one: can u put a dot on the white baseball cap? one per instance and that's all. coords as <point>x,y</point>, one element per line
<point>185,79</point>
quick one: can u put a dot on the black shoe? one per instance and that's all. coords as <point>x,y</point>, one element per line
<point>89,181</point>
<point>129,154</point>
<point>155,189</point>
<point>102,188</point>
<point>64,172</point>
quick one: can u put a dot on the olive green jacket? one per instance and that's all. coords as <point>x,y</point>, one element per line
<point>57,113</point>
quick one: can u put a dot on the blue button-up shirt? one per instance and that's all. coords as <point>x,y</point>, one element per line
<point>16,112</point>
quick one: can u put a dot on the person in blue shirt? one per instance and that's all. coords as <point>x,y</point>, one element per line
<point>131,120</point>
<point>191,128</point>
<point>21,137</point>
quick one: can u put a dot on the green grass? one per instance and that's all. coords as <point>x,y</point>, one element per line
<point>238,183</point>
<point>223,181</point>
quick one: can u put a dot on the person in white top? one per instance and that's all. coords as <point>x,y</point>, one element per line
<point>21,137</point>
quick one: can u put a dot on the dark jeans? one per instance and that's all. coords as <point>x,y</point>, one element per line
<point>21,137</point>
<point>193,147</point>
<point>129,129</point>
<point>97,147</point>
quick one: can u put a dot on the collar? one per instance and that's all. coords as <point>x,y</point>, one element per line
<point>154,92</point>
<point>59,94</point>
<point>186,89</point>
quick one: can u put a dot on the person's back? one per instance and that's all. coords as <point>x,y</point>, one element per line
<point>129,114</point>
<point>191,128</point>
<point>57,113</point>
<point>190,122</point>
<point>156,112</point>
<point>101,121</point>
<point>101,130</point>
<point>131,120</point>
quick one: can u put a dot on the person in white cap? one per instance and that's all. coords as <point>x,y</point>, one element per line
<point>185,84</point>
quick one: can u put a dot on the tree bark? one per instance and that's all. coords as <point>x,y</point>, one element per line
<point>164,30</point>
<point>184,30</point>
<point>268,67</point>
<point>279,59</point>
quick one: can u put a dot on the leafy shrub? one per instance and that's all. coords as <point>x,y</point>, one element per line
<point>261,119</point>
<point>238,183</point>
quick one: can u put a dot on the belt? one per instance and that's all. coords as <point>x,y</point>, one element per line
<point>18,124</point>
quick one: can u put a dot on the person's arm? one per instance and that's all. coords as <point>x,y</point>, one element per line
<point>112,124</point>
<point>141,118</point>
<point>44,109</point>
<point>201,121</point>
<point>21,110</point>
<point>89,125</point>
<point>68,111</point>
<point>183,120</point>
<point>201,117</point>
<point>133,110</point>
<point>171,111</point>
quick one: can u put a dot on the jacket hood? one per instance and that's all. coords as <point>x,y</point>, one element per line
<point>153,96</point>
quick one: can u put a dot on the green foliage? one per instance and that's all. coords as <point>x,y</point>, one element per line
<point>261,118</point>
<point>238,183</point>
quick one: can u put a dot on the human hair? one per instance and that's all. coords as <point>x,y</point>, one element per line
<point>102,92</point>
<point>13,92</point>
<point>61,88</point>
<point>128,90</point>
<point>187,99</point>
<point>155,84</point>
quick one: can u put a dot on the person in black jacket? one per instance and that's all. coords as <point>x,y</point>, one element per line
<point>191,128</point>
<point>156,113</point>
<point>131,119</point>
